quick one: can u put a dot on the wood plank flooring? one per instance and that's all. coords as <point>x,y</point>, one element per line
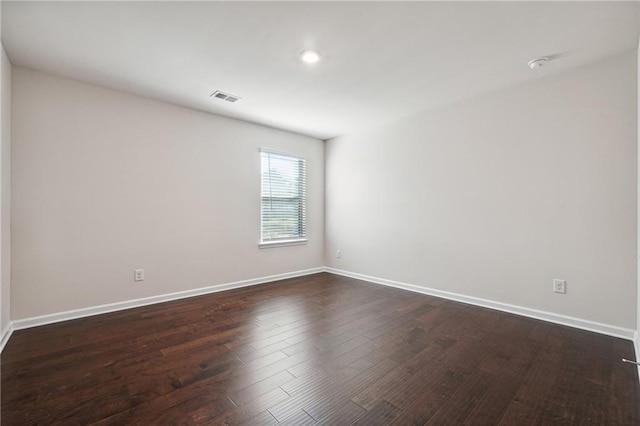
<point>321,349</point>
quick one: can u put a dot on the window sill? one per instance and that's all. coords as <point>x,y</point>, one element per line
<point>271,244</point>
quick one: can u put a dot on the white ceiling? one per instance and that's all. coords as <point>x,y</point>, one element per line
<point>380,60</point>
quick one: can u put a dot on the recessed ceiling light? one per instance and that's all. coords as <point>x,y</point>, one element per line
<point>538,63</point>
<point>310,56</point>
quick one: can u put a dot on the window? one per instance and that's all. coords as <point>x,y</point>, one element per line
<point>284,204</point>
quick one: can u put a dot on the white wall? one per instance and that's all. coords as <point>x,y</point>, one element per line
<point>496,196</point>
<point>105,182</point>
<point>637,336</point>
<point>5,191</point>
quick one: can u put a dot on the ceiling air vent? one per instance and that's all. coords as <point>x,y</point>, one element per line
<point>225,96</point>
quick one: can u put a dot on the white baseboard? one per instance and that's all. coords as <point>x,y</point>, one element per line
<point>6,334</point>
<point>606,329</point>
<point>119,306</point>
<point>609,330</point>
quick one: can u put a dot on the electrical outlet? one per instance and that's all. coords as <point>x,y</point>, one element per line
<point>559,286</point>
<point>138,274</point>
<point>338,254</point>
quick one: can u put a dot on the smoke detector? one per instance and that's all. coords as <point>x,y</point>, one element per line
<point>225,96</point>
<point>538,63</point>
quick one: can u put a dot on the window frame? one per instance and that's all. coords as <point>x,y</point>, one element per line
<point>284,241</point>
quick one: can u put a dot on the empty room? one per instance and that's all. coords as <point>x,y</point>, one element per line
<point>332,213</point>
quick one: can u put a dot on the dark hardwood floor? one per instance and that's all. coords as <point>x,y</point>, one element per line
<point>321,349</point>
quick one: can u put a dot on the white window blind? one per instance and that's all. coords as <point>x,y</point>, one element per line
<point>284,198</point>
